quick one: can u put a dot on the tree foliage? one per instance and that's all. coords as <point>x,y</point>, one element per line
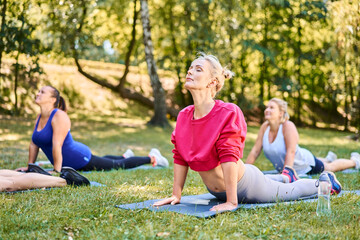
<point>306,51</point>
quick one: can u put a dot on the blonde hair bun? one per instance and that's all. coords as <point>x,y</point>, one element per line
<point>217,71</point>
<point>227,73</point>
<point>283,105</point>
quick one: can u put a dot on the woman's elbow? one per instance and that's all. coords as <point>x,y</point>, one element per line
<point>57,146</point>
<point>291,152</point>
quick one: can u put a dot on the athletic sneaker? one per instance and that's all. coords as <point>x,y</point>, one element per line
<point>290,173</point>
<point>335,184</point>
<point>159,159</point>
<point>355,157</point>
<point>128,153</point>
<point>331,156</point>
<point>72,177</point>
<point>33,168</point>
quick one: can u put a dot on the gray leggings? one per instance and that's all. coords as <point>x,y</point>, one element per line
<point>255,187</point>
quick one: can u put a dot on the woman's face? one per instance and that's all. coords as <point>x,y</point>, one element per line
<point>272,111</point>
<point>198,76</point>
<point>45,96</point>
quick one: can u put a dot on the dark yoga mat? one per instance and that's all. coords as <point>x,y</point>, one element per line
<point>199,205</point>
<point>142,167</point>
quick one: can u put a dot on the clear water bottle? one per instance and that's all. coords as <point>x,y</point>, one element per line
<point>324,191</point>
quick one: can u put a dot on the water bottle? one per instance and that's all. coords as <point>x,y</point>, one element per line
<point>324,190</point>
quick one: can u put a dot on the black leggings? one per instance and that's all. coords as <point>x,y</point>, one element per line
<point>109,162</point>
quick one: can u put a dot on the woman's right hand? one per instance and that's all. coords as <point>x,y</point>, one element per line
<point>21,169</point>
<point>172,200</point>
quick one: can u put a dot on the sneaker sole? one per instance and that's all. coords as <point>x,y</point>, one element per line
<point>295,174</point>
<point>337,182</point>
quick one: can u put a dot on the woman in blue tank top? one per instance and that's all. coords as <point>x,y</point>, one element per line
<point>52,135</point>
<point>279,138</point>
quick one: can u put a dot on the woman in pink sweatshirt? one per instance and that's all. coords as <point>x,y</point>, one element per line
<point>209,138</point>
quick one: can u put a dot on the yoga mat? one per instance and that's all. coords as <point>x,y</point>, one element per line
<point>275,172</point>
<point>350,170</point>
<point>143,167</point>
<point>199,205</point>
<point>41,163</point>
<point>96,184</point>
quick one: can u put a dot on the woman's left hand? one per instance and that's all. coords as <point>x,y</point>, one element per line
<point>228,206</point>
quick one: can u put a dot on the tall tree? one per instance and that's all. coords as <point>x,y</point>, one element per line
<point>3,3</point>
<point>159,118</point>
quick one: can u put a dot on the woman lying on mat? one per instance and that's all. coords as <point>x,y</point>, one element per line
<point>279,139</point>
<point>37,177</point>
<point>209,138</point>
<point>52,135</point>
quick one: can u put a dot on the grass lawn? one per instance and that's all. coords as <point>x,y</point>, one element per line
<point>89,212</point>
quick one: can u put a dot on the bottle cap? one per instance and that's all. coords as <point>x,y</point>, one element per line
<point>324,177</point>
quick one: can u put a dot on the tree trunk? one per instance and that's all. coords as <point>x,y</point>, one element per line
<point>16,83</point>
<point>231,59</point>
<point>179,85</point>
<point>298,107</point>
<point>2,31</point>
<point>19,50</point>
<point>346,122</point>
<point>264,68</point>
<point>357,66</point>
<point>312,102</point>
<point>130,49</point>
<point>159,118</point>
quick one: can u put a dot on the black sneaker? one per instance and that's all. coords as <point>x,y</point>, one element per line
<point>33,168</point>
<point>72,177</point>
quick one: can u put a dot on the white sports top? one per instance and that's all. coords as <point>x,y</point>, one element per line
<point>276,152</point>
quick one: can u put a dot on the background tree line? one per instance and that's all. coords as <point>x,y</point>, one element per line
<point>306,52</point>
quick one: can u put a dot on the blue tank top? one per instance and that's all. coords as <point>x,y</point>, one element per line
<point>276,152</point>
<point>75,154</point>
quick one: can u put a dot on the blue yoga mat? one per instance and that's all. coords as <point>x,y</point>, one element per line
<point>199,205</point>
<point>145,167</point>
<point>274,171</point>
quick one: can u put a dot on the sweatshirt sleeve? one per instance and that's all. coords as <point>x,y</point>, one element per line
<point>177,157</point>
<point>231,142</point>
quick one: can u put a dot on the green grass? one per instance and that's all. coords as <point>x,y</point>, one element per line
<point>89,212</point>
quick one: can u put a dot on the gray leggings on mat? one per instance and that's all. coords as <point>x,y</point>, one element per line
<point>255,187</point>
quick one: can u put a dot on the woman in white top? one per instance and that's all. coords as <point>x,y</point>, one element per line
<point>279,138</point>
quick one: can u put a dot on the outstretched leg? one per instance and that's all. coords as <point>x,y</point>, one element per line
<point>23,181</point>
<point>338,164</point>
<point>115,162</point>
<point>255,187</point>
<point>259,188</point>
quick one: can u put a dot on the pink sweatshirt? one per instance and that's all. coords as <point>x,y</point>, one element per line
<point>204,143</point>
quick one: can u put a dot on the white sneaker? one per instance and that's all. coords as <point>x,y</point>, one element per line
<point>331,156</point>
<point>159,159</point>
<point>128,153</point>
<point>355,156</point>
